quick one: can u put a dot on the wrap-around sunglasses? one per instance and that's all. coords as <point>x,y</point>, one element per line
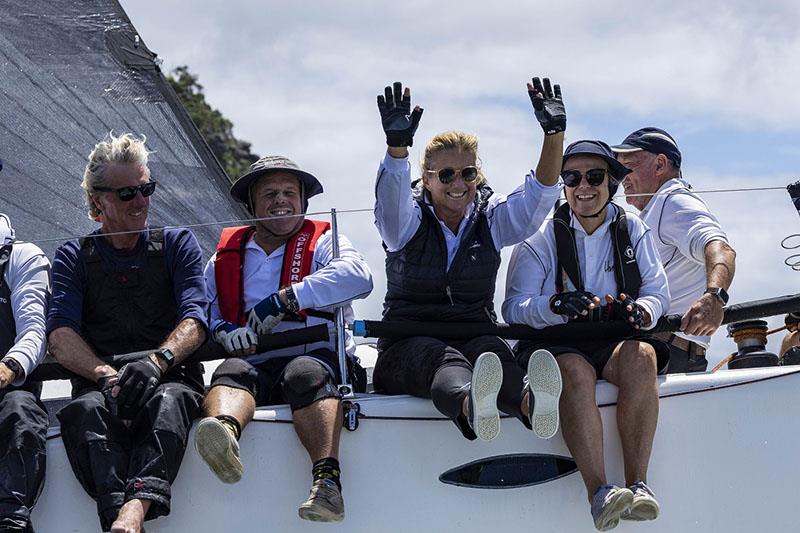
<point>126,194</point>
<point>446,175</point>
<point>594,177</point>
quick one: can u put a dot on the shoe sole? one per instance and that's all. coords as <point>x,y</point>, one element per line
<point>487,377</point>
<point>317,513</point>
<point>613,511</point>
<point>642,510</point>
<point>544,379</point>
<point>212,441</point>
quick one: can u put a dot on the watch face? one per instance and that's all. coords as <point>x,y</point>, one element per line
<point>166,355</point>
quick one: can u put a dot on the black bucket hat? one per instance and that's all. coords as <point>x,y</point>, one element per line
<point>240,189</point>
<point>653,140</point>
<point>600,149</point>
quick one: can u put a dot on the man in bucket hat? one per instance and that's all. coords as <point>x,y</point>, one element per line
<point>276,275</point>
<point>695,252</point>
<point>593,262</point>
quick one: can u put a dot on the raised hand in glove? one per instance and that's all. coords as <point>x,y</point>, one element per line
<point>573,304</point>
<point>106,385</point>
<point>266,314</point>
<point>625,308</point>
<point>236,341</point>
<point>137,383</point>
<point>792,320</point>
<point>548,106</point>
<point>399,122</point>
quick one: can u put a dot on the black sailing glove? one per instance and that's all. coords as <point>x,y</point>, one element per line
<point>572,304</point>
<point>548,106</point>
<point>628,310</point>
<point>138,382</point>
<point>106,384</point>
<point>399,122</point>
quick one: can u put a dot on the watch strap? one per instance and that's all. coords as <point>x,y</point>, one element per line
<point>166,355</point>
<point>719,292</point>
<point>14,366</point>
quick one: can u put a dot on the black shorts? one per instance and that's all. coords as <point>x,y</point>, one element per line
<point>596,353</point>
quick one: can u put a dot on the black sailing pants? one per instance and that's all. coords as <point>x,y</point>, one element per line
<point>439,369</point>
<point>116,461</point>
<point>23,438</point>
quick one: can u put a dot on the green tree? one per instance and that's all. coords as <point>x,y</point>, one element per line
<point>233,154</point>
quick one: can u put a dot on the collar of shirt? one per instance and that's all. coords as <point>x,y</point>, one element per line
<point>601,229</point>
<point>663,191</point>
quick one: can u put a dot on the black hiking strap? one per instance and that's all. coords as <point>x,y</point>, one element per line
<point>626,269</point>
<point>566,250</point>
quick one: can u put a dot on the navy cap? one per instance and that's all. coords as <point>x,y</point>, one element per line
<point>653,140</point>
<point>600,149</point>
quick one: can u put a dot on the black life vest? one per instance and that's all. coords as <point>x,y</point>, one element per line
<point>8,326</point>
<point>626,269</point>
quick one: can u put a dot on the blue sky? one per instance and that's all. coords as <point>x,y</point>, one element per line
<point>300,79</point>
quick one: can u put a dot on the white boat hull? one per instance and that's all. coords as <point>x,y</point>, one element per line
<point>724,460</point>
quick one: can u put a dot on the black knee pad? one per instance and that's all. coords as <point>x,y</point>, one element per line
<point>236,373</point>
<point>305,381</point>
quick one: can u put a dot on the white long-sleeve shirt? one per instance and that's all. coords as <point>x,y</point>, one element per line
<point>28,277</point>
<point>511,218</point>
<point>531,279</point>
<point>332,283</point>
<point>682,227</point>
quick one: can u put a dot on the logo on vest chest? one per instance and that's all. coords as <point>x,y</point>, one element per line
<point>3,300</point>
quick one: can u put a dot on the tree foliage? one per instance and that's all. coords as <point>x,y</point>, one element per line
<point>232,153</point>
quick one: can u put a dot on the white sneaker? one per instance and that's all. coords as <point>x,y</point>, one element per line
<point>487,376</point>
<point>608,504</point>
<point>544,387</point>
<point>644,506</point>
<point>219,449</point>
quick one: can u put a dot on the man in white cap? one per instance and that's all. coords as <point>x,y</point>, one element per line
<point>694,249</point>
<point>276,275</point>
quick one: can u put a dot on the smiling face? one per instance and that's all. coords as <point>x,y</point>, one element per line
<point>585,200</point>
<point>278,195</point>
<point>450,201</point>
<point>116,215</point>
<point>644,176</point>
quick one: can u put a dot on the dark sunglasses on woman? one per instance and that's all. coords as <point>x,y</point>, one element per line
<point>126,194</point>
<point>446,175</point>
<point>594,177</point>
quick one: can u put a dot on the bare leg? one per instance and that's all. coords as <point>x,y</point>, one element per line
<point>131,517</point>
<point>222,400</point>
<point>318,426</point>
<point>632,368</point>
<point>580,420</point>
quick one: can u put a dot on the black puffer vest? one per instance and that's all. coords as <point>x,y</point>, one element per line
<point>8,326</point>
<point>419,286</point>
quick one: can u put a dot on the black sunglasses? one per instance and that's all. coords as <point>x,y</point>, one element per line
<point>446,175</point>
<point>126,194</point>
<point>594,177</point>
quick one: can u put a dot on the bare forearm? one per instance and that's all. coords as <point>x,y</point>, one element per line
<point>72,352</point>
<point>187,337</point>
<point>720,264</point>
<point>549,167</point>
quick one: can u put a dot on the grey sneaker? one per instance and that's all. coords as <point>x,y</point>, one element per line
<point>324,503</point>
<point>219,449</point>
<point>487,376</point>
<point>644,506</point>
<point>544,387</point>
<point>608,504</point>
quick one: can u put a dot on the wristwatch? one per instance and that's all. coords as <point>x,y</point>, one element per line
<point>15,367</point>
<point>719,292</point>
<point>292,305</point>
<point>166,355</point>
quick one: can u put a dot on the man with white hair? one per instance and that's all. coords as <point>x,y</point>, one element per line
<point>127,288</point>
<point>24,291</point>
<point>694,250</point>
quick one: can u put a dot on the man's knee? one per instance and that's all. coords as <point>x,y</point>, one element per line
<point>576,372</point>
<point>305,381</point>
<point>636,360</point>
<point>86,408</point>
<point>236,373</point>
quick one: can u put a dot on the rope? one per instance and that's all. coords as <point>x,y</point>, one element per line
<point>744,333</point>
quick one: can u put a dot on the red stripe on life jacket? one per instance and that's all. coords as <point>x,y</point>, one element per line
<point>299,253</point>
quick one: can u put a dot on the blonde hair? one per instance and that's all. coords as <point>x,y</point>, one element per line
<point>453,140</point>
<point>123,149</point>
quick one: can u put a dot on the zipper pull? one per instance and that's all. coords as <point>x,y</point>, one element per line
<point>449,294</point>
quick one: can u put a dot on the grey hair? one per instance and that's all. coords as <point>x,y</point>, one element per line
<point>126,148</point>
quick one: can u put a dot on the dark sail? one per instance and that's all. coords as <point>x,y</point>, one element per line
<point>70,72</point>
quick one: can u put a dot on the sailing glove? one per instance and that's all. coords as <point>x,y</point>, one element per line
<point>635,316</point>
<point>399,122</point>
<point>572,304</point>
<point>236,341</point>
<point>792,320</point>
<point>548,106</point>
<point>106,384</point>
<point>266,314</point>
<point>138,382</point>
